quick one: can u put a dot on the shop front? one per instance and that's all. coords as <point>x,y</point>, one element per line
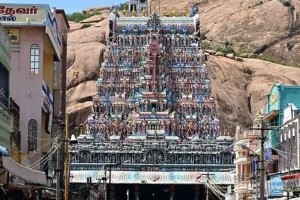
<point>275,187</point>
<point>291,183</point>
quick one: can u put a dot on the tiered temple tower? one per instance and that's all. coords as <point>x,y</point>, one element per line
<point>153,111</point>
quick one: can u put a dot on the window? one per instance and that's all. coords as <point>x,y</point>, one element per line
<point>32,135</point>
<point>34,59</point>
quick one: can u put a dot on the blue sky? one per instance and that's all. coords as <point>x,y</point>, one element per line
<point>69,5</point>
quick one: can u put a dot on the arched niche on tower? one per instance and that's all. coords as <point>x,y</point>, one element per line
<point>226,157</point>
<point>154,48</point>
<point>85,156</point>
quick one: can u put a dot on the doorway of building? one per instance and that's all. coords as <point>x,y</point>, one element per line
<point>184,192</point>
<point>154,192</point>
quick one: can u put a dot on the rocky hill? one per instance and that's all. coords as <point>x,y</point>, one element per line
<point>240,87</point>
<point>267,27</point>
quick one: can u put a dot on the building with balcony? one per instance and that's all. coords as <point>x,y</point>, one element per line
<point>5,119</point>
<point>5,69</point>
<point>273,115</point>
<point>15,134</point>
<point>288,176</point>
<point>245,145</point>
<point>36,46</point>
<point>59,90</point>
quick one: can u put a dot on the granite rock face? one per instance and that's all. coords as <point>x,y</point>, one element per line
<point>265,27</point>
<point>239,87</point>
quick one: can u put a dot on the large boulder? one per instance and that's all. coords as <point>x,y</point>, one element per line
<point>240,88</point>
<point>86,49</point>
<point>75,26</point>
<point>248,25</point>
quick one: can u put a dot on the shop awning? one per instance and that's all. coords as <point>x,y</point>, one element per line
<point>25,173</point>
<point>290,176</point>
<point>270,115</point>
<point>285,198</point>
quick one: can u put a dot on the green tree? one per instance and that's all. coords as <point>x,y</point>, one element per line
<point>78,16</point>
<point>123,6</point>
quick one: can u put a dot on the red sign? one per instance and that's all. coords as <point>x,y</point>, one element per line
<point>12,11</point>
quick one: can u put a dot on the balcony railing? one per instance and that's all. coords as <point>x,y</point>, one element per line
<point>5,110</point>
<point>245,183</point>
<point>243,177</point>
<point>243,160</point>
<point>47,98</point>
<point>244,187</point>
<point>4,97</point>
<point>253,134</point>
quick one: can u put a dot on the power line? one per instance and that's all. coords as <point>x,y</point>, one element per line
<point>22,124</point>
<point>262,138</point>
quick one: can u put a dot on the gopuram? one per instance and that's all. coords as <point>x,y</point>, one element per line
<point>153,133</point>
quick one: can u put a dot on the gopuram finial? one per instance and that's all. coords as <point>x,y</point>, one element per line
<point>133,11</point>
<point>183,13</point>
<point>124,11</point>
<point>154,10</point>
<point>144,12</point>
<point>165,12</point>
<point>174,13</point>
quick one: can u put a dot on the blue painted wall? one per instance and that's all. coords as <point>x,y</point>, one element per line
<point>284,94</point>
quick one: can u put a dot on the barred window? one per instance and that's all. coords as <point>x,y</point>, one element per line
<point>34,59</point>
<point>32,135</point>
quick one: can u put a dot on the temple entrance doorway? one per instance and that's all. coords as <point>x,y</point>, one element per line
<point>154,192</point>
<point>157,192</point>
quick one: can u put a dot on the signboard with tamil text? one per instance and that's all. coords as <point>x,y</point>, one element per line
<point>268,154</point>
<point>255,166</point>
<point>291,182</point>
<point>32,15</point>
<point>23,14</point>
<point>275,186</point>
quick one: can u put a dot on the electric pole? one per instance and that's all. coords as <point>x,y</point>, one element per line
<point>290,163</point>
<point>262,158</point>
<point>105,182</point>
<point>58,162</point>
<point>60,155</point>
<point>67,159</point>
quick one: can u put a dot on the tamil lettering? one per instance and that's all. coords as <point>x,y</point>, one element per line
<point>8,18</point>
<point>12,11</point>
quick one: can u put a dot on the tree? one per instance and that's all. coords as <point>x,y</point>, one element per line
<point>77,16</point>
